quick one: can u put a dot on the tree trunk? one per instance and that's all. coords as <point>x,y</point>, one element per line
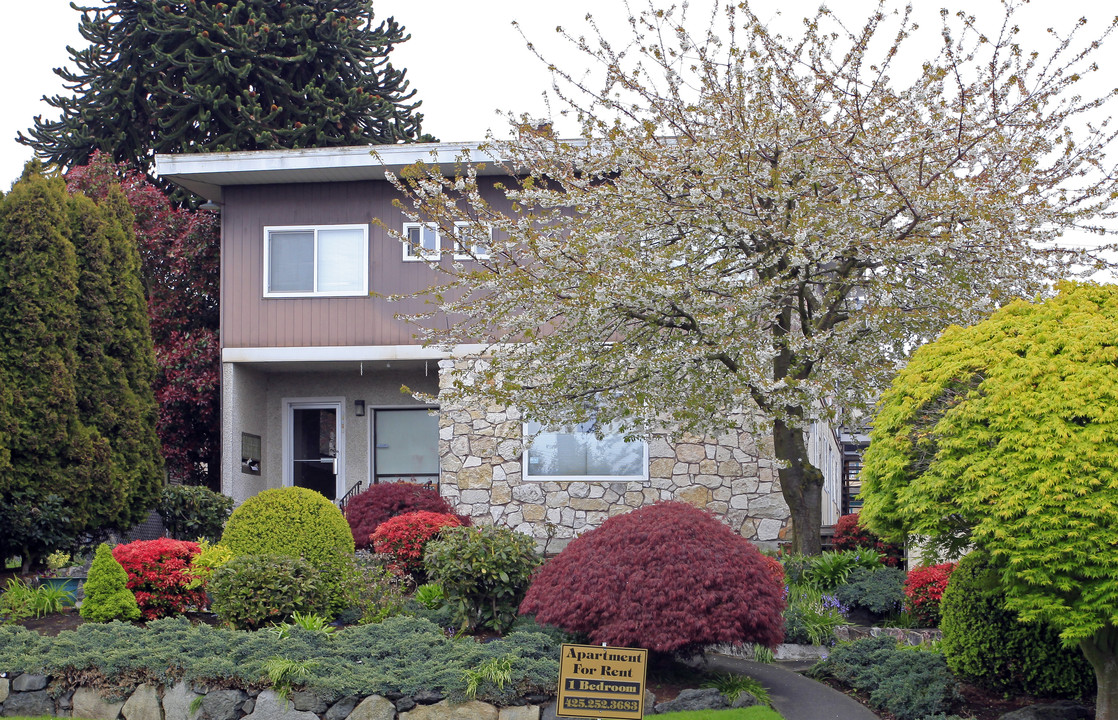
<point>1102,653</point>
<point>802,486</point>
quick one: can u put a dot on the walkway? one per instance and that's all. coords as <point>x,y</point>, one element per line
<point>794,696</point>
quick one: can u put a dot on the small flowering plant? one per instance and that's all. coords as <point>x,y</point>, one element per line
<point>160,576</point>
<point>923,589</point>
<point>404,537</point>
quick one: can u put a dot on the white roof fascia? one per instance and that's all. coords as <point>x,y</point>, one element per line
<point>207,173</point>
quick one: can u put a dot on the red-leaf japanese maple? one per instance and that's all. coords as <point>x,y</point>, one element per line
<point>664,577</point>
<point>850,534</point>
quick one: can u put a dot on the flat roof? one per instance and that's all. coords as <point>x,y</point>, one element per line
<point>206,174</point>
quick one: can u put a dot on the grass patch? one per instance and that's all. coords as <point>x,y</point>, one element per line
<point>756,712</point>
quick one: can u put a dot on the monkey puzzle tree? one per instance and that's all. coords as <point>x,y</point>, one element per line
<point>751,222</point>
<point>200,75</point>
<point>1004,436</point>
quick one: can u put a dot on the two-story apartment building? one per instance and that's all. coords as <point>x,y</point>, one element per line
<point>314,360</point>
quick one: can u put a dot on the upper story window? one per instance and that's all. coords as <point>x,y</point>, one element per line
<point>577,454</point>
<point>474,243</point>
<point>322,260</point>
<point>423,241</point>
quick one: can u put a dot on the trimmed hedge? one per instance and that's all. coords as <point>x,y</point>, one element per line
<point>193,512</point>
<point>252,591</point>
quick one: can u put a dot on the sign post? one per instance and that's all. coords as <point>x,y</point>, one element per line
<point>601,682</point>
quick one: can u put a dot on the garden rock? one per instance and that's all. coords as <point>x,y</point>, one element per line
<point>428,697</point>
<point>470,710</point>
<point>548,712</point>
<point>28,682</point>
<point>88,703</point>
<point>223,704</point>
<point>4,683</point>
<point>521,712</point>
<point>374,707</point>
<point>176,703</point>
<point>1061,710</point>
<point>308,701</point>
<point>269,706</point>
<point>32,704</point>
<point>694,699</point>
<point>404,704</point>
<point>342,709</point>
<point>143,705</point>
<point>249,706</point>
<point>65,701</point>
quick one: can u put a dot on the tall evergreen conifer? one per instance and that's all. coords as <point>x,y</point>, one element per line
<point>114,392</point>
<point>77,443</point>
<point>241,75</point>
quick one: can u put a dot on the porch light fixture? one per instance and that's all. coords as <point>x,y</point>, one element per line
<point>210,205</point>
<point>359,408</point>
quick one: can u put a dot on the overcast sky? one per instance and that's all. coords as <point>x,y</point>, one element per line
<point>465,59</point>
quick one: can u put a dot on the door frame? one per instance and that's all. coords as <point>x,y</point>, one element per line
<point>373,437</point>
<point>338,404</point>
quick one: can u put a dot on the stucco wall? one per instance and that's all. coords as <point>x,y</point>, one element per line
<point>482,474</point>
<point>254,403</point>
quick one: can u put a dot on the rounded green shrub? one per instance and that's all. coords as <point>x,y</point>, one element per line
<point>877,592</point>
<point>291,521</point>
<point>252,591</point>
<point>986,645</point>
<point>107,596</point>
<point>484,572</point>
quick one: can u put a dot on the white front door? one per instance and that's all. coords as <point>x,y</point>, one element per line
<point>314,446</point>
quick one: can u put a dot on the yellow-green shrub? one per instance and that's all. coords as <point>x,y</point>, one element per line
<point>106,595</point>
<point>288,521</point>
<point>210,557</point>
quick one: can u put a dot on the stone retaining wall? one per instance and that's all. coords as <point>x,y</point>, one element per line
<point>34,695</point>
<point>482,475</point>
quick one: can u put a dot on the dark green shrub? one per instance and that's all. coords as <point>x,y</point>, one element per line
<point>107,596</point>
<point>251,591</point>
<point>484,572</point>
<point>986,645</point>
<point>191,512</point>
<point>368,593</point>
<point>878,592</point>
<point>909,683</point>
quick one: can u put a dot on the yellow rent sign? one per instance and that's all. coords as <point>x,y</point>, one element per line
<point>601,682</point>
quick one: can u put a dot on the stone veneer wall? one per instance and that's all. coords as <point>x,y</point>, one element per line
<point>482,474</point>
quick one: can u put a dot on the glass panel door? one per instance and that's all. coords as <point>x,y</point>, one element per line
<point>314,456</point>
<point>407,446</point>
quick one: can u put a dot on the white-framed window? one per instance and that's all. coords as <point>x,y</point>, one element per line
<point>576,454</point>
<point>478,240</point>
<point>316,260</point>
<point>422,241</point>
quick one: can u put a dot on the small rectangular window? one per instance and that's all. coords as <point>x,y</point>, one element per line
<point>577,454</point>
<point>423,241</point>
<point>331,260</point>
<point>478,238</point>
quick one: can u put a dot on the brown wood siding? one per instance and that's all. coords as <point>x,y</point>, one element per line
<point>248,319</point>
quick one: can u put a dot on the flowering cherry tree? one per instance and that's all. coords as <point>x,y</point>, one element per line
<point>761,223</point>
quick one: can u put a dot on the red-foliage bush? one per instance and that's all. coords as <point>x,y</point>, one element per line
<point>923,589</point>
<point>367,510</point>
<point>158,575</point>
<point>850,535</point>
<point>775,569</point>
<point>405,536</point>
<point>663,577</point>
